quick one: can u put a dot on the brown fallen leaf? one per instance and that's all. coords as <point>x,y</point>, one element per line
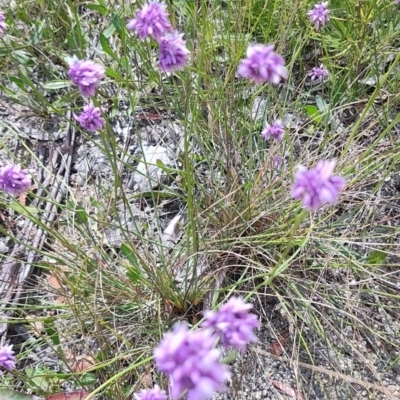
<point>80,363</point>
<point>35,325</point>
<point>278,346</point>
<point>146,380</point>
<point>22,199</point>
<point>168,307</point>
<point>288,390</point>
<point>149,116</point>
<point>7,220</point>
<point>55,284</point>
<point>7,394</point>
<point>77,395</point>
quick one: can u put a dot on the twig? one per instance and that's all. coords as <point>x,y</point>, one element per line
<point>17,270</point>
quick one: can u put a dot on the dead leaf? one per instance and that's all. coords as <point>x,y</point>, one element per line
<point>83,363</point>
<point>77,395</point>
<point>168,307</point>
<point>278,346</point>
<point>36,326</point>
<point>146,380</point>
<point>22,199</point>
<point>288,390</point>
<point>7,394</point>
<point>173,231</point>
<point>7,220</point>
<point>55,284</point>
<point>80,363</point>
<point>149,116</point>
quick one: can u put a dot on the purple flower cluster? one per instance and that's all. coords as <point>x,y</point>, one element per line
<point>319,15</point>
<point>86,75</point>
<point>191,361</point>
<point>151,394</point>
<point>91,118</point>
<point>318,185</point>
<point>318,73</point>
<point>3,25</point>
<point>152,20</point>
<point>14,180</point>
<point>277,161</point>
<point>233,323</point>
<point>262,65</point>
<point>190,358</point>
<point>173,52</point>
<point>7,358</point>
<point>276,131</point>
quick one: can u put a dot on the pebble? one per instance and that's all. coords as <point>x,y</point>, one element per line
<point>148,174</point>
<point>3,247</point>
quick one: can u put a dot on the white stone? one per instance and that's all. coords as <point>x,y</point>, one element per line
<point>148,174</point>
<point>3,247</point>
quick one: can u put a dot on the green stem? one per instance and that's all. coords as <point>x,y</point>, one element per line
<point>117,376</point>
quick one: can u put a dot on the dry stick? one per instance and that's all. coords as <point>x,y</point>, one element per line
<point>15,272</point>
<point>16,254</point>
<point>41,234</point>
<point>58,193</point>
<point>11,269</point>
<point>326,371</point>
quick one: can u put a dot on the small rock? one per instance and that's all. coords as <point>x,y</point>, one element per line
<point>3,247</point>
<point>148,174</point>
